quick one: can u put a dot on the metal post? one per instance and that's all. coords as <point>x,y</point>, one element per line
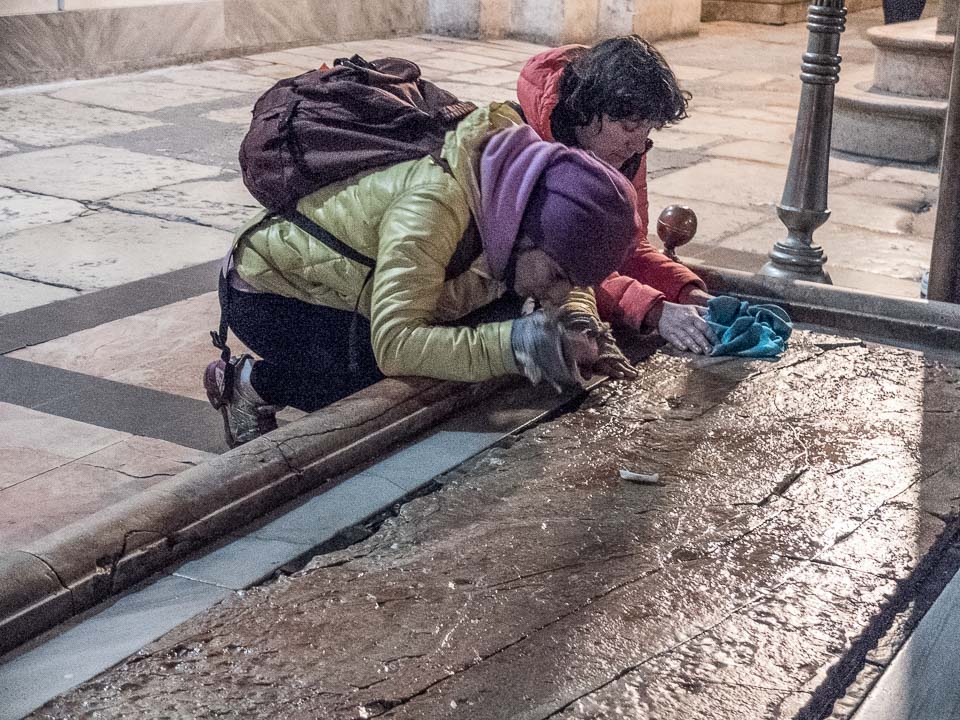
<point>944,281</point>
<point>803,207</point>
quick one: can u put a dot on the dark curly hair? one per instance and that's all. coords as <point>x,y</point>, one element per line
<point>623,78</point>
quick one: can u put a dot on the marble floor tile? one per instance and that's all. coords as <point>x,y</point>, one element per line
<point>898,192</point>
<point>421,462</point>
<point>846,246</point>
<point>234,116</point>
<point>293,59</point>
<point>164,349</point>
<point>220,79</point>
<point>677,139</point>
<point>746,78</point>
<point>108,248</point>
<point>242,563</point>
<point>93,172</point>
<point>319,53</point>
<point>870,213</point>
<point>434,67</point>
<point>927,177</point>
<point>6,147</point>
<point>101,641</point>
<point>326,514</point>
<point>235,64</point>
<point>724,181</point>
<point>17,294</point>
<point>715,221</point>
<point>225,204</point>
<point>479,94</point>
<point>474,58</point>
<point>490,76</point>
<point>755,150</point>
<point>140,95</point>
<point>69,492</point>
<point>710,124</point>
<point>48,122</point>
<point>279,72</point>
<point>32,442</point>
<point>19,210</point>
<point>686,73</point>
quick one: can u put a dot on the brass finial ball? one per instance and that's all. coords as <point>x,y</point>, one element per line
<point>676,226</point>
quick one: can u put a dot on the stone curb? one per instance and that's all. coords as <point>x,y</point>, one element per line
<point>926,322</point>
<point>66,572</point>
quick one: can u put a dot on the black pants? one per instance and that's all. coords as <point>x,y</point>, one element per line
<point>305,348</point>
<point>896,11</point>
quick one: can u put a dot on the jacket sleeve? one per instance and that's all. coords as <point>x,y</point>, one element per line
<point>418,235</point>
<point>646,277</point>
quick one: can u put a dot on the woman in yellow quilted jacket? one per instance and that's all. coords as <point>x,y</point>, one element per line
<point>502,212</point>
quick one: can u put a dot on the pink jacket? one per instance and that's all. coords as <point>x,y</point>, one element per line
<point>647,275</point>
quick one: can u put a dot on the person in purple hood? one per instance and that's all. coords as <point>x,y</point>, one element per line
<point>503,213</point>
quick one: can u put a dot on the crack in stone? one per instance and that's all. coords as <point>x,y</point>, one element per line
<point>382,705</point>
<point>784,485</point>
<point>48,283</point>
<point>127,474</point>
<point>52,569</point>
<point>157,216</point>
<point>672,648</point>
<point>854,465</point>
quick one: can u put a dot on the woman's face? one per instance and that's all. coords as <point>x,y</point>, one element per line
<point>539,276</point>
<point>614,141</point>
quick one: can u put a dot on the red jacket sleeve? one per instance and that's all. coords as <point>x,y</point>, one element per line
<point>646,276</point>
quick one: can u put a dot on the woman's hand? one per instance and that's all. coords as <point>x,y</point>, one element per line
<point>690,294</point>
<point>683,327</point>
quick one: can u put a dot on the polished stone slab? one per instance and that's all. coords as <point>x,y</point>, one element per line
<point>478,94</point>
<point>140,96</point>
<point>198,75</point>
<point>715,221</point>
<point>709,124</point>
<point>320,518</point>
<point>94,172</point>
<point>108,248</point>
<point>176,334</point>
<point>891,255</point>
<point>490,76</point>
<point>17,294</point>
<point>33,442</point>
<point>723,181</point>
<point>241,563</point>
<point>222,203</point>
<point>6,147</point>
<point>47,501</point>
<point>47,122</point>
<point>29,680</point>
<point>234,116</point>
<point>19,210</point>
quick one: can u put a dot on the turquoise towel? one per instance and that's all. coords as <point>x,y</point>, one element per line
<point>745,330</point>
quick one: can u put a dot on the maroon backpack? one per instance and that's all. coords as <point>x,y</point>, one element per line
<point>328,124</point>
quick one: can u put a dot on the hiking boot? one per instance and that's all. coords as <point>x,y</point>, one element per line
<point>245,416</point>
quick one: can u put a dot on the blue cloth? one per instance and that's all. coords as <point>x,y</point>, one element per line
<point>745,330</point>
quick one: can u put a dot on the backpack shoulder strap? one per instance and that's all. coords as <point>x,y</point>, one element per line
<point>326,237</point>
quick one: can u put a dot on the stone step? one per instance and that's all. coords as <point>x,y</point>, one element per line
<point>912,59</point>
<point>867,121</point>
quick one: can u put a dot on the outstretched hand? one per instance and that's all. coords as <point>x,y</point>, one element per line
<point>683,327</point>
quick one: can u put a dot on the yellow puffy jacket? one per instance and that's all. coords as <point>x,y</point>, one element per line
<point>409,218</point>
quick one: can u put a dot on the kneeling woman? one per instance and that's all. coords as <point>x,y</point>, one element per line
<point>502,212</point>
